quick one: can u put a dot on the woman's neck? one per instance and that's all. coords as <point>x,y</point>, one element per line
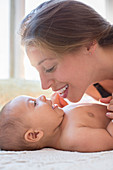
<point>104,58</point>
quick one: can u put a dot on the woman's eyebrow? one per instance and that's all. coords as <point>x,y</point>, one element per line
<point>45,60</point>
<point>42,61</point>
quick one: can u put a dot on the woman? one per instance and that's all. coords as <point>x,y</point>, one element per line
<point>71,46</point>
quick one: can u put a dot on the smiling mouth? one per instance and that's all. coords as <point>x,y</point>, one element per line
<point>62,91</point>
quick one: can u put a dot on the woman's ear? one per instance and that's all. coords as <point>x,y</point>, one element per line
<point>33,135</point>
<point>92,46</point>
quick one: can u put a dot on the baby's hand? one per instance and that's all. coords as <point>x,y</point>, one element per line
<point>109,101</point>
<point>57,99</point>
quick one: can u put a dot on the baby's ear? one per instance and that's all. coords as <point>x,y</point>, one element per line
<point>33,135</point>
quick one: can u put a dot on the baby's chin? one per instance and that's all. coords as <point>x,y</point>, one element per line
<point>62,118</point>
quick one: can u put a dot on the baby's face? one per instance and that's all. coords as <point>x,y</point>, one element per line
<point>37,113</point>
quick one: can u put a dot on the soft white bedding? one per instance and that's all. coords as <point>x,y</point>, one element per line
<point>50,159</point>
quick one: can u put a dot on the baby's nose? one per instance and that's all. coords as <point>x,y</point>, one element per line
<point>42,98</point>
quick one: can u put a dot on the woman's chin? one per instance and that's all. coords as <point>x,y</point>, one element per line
<point>73,99</point>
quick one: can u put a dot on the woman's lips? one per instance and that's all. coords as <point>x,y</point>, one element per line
<point>64,94</point>
<point>64,91</point>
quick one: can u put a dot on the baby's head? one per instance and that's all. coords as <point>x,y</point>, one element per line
<point>28,123</point>
<point>12,129</point>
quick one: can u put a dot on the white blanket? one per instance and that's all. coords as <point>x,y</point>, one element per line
<point>51,159</point>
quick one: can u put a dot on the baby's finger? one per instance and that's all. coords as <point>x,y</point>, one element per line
<point>110,115</point>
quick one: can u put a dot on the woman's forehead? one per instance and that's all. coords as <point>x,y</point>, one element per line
<point>42,51</point>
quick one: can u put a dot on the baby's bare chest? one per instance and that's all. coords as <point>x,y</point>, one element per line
<point>93,116</point>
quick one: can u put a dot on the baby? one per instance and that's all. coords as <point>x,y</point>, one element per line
<point>28,123</point>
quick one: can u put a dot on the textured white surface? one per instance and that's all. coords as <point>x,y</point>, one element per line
<point>50,159</point>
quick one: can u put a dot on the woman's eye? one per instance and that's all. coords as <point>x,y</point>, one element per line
<point>50,70</point>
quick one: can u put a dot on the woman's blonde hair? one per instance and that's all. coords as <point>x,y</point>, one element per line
<point>64,26</point>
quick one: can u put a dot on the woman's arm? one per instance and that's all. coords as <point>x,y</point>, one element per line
<point>92,91</point>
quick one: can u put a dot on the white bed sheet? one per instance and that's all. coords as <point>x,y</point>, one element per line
<point>51,159</point>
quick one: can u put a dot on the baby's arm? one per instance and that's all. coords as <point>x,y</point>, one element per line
<point>110,128</point>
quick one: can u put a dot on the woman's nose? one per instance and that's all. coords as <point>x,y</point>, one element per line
<point>46,82</point>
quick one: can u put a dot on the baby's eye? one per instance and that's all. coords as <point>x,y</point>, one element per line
<point>34,103</point>
<point>50,70</point>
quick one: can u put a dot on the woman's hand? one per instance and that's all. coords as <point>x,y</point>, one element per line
<point>109,101</point>
<point>57,99</point>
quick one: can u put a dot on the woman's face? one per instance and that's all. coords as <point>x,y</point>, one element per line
<point>70,74</point>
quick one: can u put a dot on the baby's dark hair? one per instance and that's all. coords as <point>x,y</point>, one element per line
<point>12,130</point>
<point>64,26</point>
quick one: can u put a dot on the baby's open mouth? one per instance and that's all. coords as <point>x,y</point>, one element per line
<point>54,106</point>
